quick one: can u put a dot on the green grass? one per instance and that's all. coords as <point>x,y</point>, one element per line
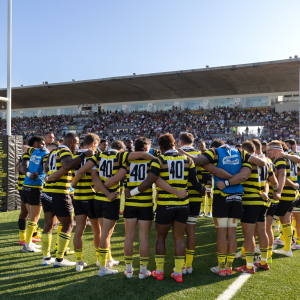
<point>23,277</point>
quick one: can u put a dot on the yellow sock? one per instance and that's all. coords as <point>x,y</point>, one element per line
<point>209,203</point>
<point>298,240</point>
<point>30,228</point>
<point>229,261</point>
<point>179,263</point>
<point>46,243</point>
<point>97,254</point>
<point>128,262</point>
<point>278,221</point>
<point>294,223</point>
<point>264,255</point>
<point>144,261</point>
<point>63,242</point>
<point>273,228</point>
<point>58,232</point>
<point>78,254</point>
<point>250,260</point>
<point>270,251</point>
<point>288,233</point>
<point>189,258</point>
<point>221,261</point>
<point>243,251</point>
<point>109,254</point>
<point>160,262</point>
<point>295,233</point>
<point>103,256</point>
<point>22,234</point>
<point>203,204</point>
<point>282,236</point>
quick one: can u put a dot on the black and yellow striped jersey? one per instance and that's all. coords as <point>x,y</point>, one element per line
<point>62,185</point>
<point>137,172</point>
<point>83,190</point>
<point>22,176</point>
<point>174,168</point>
<point>271,173</point>
<point>255,184</point>
<point>288,193</point>
<point>108,164</point>
<point>194,196</point>
<point>213,157</point>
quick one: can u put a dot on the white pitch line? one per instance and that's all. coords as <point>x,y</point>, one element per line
<point>234,287</point>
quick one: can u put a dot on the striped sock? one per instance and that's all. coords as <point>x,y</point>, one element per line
<point>270,251</point>
<point>287,233</point>
<point>229,261</point>
<point>143,264</point>
<point>179,263</point>
<point>97,254</point>
<point>29,232</point>
<point>78,254</point>
<point>128,262</point>
<point>189,254</point>
<point>264,255</point>
<point>250,260</point>
<point>160,262</point>
<point>46,243</point>
<point>63,242</point>
<point>103,257</point>
<point>221,261</point>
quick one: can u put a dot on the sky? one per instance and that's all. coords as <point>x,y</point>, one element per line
<point>61,40</point>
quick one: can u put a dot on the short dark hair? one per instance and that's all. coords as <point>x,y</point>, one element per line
<point>248,146</point>
<point>61,140</point>
<point>91,138</point>
<point>291,141</point>
<point>257,144</point>
<point>186,138</point>
<point>166,141</point>
<point>264,144</point>
<point>103,141</point>
<point>54,144</point>
<point>34,139</point>
<point>217,143</point>
<point>238,145</point>
<point>48,132</point>
<point>70,136</point>
<point>141,143</point>
<point>118,145</point>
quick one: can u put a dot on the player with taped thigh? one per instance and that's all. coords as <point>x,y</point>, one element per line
<point>32,188</point>
<point>227,205</point>
<point>176,170</point>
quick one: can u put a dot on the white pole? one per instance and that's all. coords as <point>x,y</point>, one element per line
<point>9,55</point>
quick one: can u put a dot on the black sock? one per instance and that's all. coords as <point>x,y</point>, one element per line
<point>22,224</point>
<point>59,259</point>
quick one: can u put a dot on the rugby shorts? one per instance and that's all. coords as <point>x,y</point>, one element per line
<point>195,208</point>
<point>284,206</point>
<point>107,210</point>
<point>140,213</point>
<point>167,214</point>
<point>31,195</point>
<point>254,213</point>
<point>84,207</point>
<point>227,206</point>
<point>58,203</point>
<point>297,205</point>
<point>271,210</point>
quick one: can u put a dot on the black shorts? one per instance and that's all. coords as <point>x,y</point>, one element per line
<point>227,207</point>
<point>166,214</point>
<point>141,213</point>
<point>297,205</point>
<point>84,207</point>
<point>284,206</point>
<point>31,195</point>
<point>254,213</point>
<point>271,210</point>
<point>207,180</point>
<point>21,195</point>
<point>107,210</point>
<point>59,204</point>
<point>195,208</point>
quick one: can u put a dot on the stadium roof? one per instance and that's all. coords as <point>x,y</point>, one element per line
<point>255,78</point>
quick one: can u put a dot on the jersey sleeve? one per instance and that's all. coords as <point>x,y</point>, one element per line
<point>25,156</point>
<point>45,158</point>
<point>94,158</point>
<point>280,164</point>
<point>245,158</point>
<point>30,151</point>
<point>64,153</point>
<point>210,155</point>
<point>123,160</point>
<point>270,171</point>
<point>155,167</point>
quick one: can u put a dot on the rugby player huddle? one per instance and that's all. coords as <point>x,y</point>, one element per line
<point>256,184</point>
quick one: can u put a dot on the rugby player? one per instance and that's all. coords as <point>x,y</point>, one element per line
<point>32,188</point>
<point>175,169</point>
<point>56,200</point>
<point>49,138</point>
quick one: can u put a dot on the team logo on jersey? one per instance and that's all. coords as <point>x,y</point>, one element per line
<point>231,160</point>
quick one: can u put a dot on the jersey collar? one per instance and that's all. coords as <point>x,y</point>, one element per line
<point>171,151</point>
<point>187,147</point>
<point>64,146</point>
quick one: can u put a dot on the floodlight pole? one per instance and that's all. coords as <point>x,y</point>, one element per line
<point>9,58</point>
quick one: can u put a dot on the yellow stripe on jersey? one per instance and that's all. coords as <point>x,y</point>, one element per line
<point>174,169</point>
<point>62,185</point>
<point>83,190</point>
<point>288,193</point>
<point>194,196</point>
<point>137,171</point>
<point>22,176</point>
<point>254,186</point>
<point>108,164</point>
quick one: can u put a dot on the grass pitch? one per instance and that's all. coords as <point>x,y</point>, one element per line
<point>23,277</point>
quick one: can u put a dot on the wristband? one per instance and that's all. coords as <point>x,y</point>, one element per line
<point>82,155</point>
<point>227,183</point>
<point>275,187</point>
<point>134,192</point>
<point>28,174</point>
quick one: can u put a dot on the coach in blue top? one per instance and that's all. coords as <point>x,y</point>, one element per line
<point>32,188</point>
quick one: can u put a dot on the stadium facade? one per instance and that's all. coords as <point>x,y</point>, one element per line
<point>249,85</point>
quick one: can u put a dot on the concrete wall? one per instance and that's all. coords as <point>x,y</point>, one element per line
<point>286,106</point>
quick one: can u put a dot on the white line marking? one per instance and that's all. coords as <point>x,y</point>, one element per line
<point>234,287</point>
